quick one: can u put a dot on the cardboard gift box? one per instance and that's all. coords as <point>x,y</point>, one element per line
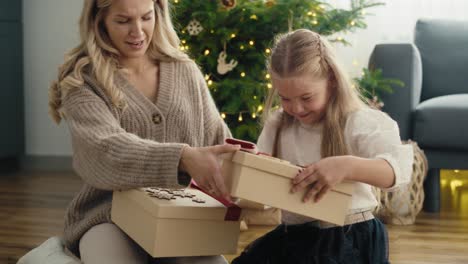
<point>267,180</point>
<point>172,223</point>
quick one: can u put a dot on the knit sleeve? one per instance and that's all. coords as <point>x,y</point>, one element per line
<point>373,134</point>
<point>107,157</point>
<point>215,128</point>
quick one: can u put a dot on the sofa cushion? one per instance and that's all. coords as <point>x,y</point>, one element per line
<point>443,45</point>
<point>442,122</point>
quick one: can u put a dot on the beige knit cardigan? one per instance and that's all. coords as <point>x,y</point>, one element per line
<point>139,146</point>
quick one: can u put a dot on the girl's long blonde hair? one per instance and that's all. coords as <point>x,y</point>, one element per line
<point>97,54</point>
<point>303,52</point>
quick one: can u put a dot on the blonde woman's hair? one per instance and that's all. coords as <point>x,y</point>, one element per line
<point>303,52</point>
<point>96,55</point>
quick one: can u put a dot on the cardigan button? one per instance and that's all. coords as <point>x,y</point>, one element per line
<point>156,119</point>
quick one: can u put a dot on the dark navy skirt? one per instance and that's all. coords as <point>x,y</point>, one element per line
<point>365,242</point>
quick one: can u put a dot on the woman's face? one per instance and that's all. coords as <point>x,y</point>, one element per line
<point>305,98</point>
<point>130,25</point>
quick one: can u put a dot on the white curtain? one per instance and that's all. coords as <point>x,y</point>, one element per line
<point>392,23</point>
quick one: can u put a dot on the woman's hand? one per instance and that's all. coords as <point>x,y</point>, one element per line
<point>204,166</point>
<point>321,176</point>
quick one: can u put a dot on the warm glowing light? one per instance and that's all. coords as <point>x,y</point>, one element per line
<point>223,115</point>
<point>268,51</point>
<point>207,52</point>
<point>240,118</point>
<point>269,86</point>
<point>454,184</point>
<point>242,74</point>
<point>443,182</point>
<point>267,76</point>
<point>251,43</point>
<point>233,35</point>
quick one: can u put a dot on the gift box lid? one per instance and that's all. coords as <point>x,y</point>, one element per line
<point>200,206</point>
<point>276,166</point>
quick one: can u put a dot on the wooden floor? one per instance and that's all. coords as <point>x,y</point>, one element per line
<point>32,207</point>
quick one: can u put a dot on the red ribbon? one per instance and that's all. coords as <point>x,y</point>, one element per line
<point>233,211</point>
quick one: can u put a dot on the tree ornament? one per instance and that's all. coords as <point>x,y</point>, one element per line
<point>194,27</point>
<point>224,67</point>
<point>229,4</point>
<point>270,3</point>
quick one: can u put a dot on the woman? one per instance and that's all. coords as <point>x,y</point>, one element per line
<point>140,114</point>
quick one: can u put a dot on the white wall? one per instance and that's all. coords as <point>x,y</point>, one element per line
<point>392,23</point>
<point>51,26</point>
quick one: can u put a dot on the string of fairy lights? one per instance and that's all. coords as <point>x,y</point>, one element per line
<point>240,114</point>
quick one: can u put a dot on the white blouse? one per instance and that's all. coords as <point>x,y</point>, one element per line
<point>368,133</point>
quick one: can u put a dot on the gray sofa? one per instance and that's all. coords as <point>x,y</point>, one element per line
<point>432,108</point>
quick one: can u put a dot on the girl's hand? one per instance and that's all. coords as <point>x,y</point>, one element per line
<point>321,176</point>
<point>204,166</point>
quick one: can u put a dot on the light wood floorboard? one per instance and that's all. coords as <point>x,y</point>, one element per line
<point>32,207</point>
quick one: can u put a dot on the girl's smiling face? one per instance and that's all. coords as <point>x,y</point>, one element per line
<point>304,97</point>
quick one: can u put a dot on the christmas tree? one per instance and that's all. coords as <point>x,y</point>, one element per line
<point>230,41</point>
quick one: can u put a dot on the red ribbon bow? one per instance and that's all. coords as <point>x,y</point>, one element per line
<point>233,211</point>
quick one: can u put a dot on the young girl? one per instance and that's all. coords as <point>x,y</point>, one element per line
<point>324,126</point>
